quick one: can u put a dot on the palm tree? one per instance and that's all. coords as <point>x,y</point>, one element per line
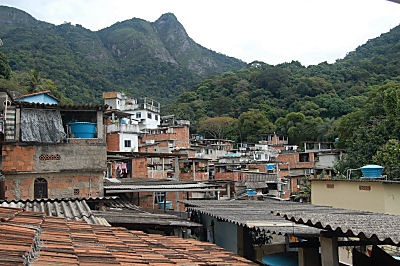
<point>35,81</point>
<point>304,193</point>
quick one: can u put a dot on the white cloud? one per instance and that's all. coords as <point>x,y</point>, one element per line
<point>310,31</point>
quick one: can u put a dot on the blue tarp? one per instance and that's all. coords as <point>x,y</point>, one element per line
<point>270,166</point>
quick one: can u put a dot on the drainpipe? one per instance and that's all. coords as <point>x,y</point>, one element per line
<point>90,186</point>
<point>194,170</point>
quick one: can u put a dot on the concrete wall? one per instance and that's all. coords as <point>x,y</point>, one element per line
<point>72,156</point>
<point>326,160</point>
<point>392,198</point>
<point>148,123</point>
<point>357,195</point>
<point>133,137</point>
<point>225,233</point>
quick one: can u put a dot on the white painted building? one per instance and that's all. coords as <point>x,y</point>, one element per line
<point>128,135</point>
<point>146,111</point>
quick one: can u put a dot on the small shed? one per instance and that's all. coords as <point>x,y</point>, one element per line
<point>43,97</point>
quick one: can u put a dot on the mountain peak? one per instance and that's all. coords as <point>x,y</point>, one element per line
<point>14,16</point>
<point>167,17</point>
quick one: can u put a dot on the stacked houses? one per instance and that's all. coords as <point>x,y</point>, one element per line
<point>120,164</point>
<point>142,144</point>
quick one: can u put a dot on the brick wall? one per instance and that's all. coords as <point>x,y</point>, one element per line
<point>139,168</point>
<point>234,176</point>
<point>71,169</point>
<point>189,176</point>
<point>294,160</point>
<point>145,200</point>
<point>112,142</point>
<point>59,185</point>
<point>180,135</point>
<point>17,158</point>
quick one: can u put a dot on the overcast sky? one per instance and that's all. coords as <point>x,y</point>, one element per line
<point>310,31</point>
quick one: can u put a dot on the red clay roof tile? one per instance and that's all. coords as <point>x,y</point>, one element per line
<point>34,238</point>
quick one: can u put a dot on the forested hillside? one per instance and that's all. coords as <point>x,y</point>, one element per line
<point>142,58</point>
<point>355,101</point>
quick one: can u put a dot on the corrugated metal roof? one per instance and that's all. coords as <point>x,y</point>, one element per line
<point>32,238</point>
<point>380,228</point>
<point>252,214</point>
<point>365,225</point>
<point>72,209</point>
<point>146,187</point>
<point>114,185</point>
<point>119,211</point>
<point>87,107</point>
<point>144,181</point>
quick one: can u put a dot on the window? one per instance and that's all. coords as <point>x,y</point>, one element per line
<point>127,143</point>
<point>304,157</point>
<point>149,115</point>
<point>159,197</point>
<point>40,188</point>
<point>138,115</point>
<point>156,117</point>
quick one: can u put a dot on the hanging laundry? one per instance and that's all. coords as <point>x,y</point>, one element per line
<point>124,168</point>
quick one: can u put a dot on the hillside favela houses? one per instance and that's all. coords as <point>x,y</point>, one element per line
<point>106,171</point>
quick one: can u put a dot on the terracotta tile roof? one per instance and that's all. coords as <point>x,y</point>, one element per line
<point>36,239</point>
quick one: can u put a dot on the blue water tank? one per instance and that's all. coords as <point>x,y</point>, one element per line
<point>251,192</point>
<point>83,129</point>
<point>372,170</point>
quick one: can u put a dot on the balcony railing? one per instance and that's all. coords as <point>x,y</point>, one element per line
<point>122,128</point>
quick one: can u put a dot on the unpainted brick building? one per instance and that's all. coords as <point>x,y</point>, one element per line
<point>42,157</point>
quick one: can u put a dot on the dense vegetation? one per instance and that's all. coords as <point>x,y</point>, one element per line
<point>155,59</point>
<point>355,101</point>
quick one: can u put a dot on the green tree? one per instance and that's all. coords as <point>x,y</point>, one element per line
<point>5,70</point>
<point>215,127</point>
<point>388,156</point>
<point>362,132</point>
<point>252,125</point>
<point>35,81</point>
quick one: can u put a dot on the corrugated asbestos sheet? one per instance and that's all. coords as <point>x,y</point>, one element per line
<point>72,209</point>
<point>149,184</point>
<point>365,225</point>
<point>252,214</point>
<point>32,238</point>
<point>118,211</point>
<point>269,216</point>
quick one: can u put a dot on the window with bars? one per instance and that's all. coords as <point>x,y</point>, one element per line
<point>40,188</point>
